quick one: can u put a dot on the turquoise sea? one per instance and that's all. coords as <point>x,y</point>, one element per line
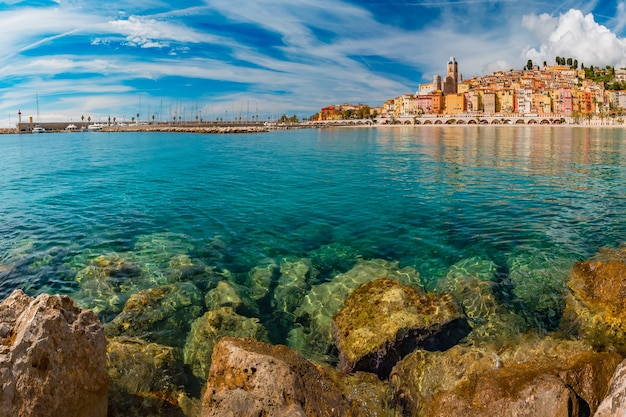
<point>530,199</point>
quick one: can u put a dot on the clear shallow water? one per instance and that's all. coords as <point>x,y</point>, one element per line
<point>426,197</point>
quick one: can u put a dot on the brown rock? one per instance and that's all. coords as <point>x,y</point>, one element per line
<point>384,320</point>
<point>250,378</point>
<point>596,304</point>
<point>537,378</point>
<point>52,358</point>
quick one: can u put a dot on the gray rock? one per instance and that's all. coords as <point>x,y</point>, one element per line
<point>614,404</point>
<point>52,358</point>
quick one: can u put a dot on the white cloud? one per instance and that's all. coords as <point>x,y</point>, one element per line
<point>151,33</point>
<point>574,35</point>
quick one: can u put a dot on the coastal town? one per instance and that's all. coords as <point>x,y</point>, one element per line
<point>549,94</point>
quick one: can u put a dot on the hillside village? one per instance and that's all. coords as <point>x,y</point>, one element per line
<point>550,91</point>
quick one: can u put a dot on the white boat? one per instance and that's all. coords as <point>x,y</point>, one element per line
<point>94,127</point>
<point>71,128</point>
<point>37,128</point>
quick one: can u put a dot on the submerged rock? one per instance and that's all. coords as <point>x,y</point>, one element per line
<point>52,358</point>
<point>293,284</point>
<point>472,282</point>
<point>538,282</point>
<point>146,380</point>
<point>227,294</point>
<point>161,314</point>
<point>249,379</point>
<point>384,320</point>
<point>538,377</point>
<point>333,259</point>
<point>207,330</point>
<point>261,279</point>
<point>314,335</point>
<point>106,282</point>
<point>596,306</point>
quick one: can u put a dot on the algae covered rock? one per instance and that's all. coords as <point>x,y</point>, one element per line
<point>314,335</point>
<point>537,377</point>
<point>369,396</point>
<point>596,303</point>
<point>227,294</point>
<point>384,320</point>
<point>249,378</point>
<point>162,314</point>
<point>146,379</point>
<point>293,284</point>
<point>207,330</point>
<point>261,279</point>
<point>107,281</point>
<point>52,358</point>
<point>333,259</point>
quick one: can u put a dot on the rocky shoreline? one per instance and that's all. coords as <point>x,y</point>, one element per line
<point>195,348</point>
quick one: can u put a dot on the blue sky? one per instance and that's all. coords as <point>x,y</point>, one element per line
<point>225,58</point>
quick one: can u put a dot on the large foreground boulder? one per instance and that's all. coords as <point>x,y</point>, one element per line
<point>384,320</point>
<point>249,378</point>
<point>539,378</point>
<point>52,358</point>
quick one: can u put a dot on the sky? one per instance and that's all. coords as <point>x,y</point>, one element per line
<point>229,59</point>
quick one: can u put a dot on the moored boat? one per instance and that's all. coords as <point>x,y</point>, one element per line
<point>94,127</point>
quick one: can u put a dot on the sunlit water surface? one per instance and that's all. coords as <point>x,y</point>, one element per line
<point>426,197</point>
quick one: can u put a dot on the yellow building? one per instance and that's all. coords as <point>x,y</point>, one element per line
<point>455,104</point>
<point>506,100</point>
<point>541,103</point>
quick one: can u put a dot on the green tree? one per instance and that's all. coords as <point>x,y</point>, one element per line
<point>529,64</point>
<point>570,62</point>
<point>575,64</point>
